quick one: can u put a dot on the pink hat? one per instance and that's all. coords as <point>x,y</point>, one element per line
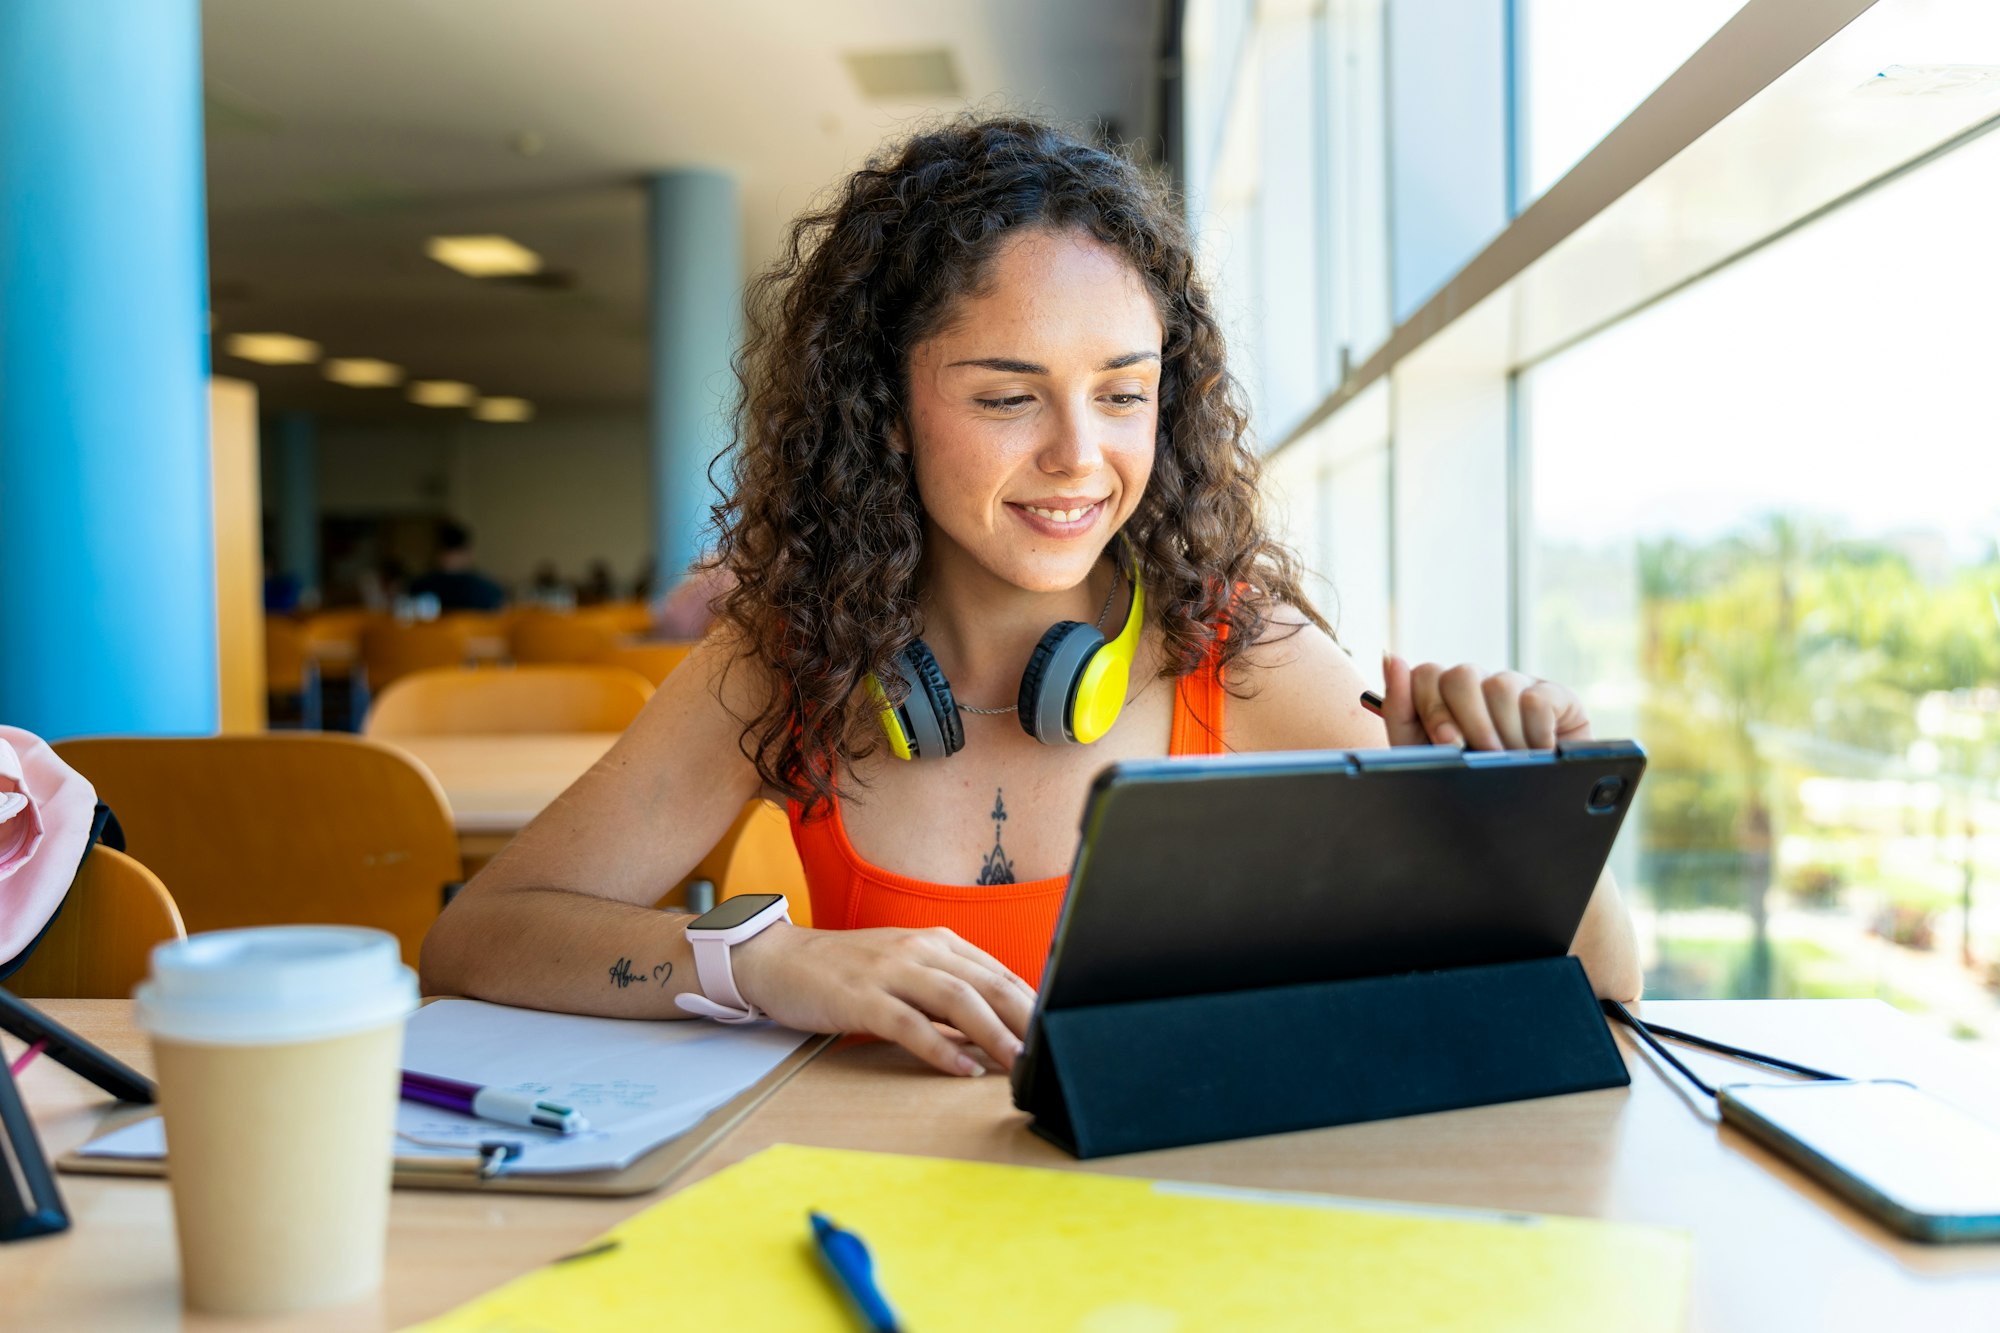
<point>45,814</point>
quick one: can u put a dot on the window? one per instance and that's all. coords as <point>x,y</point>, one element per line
<point>1764,523</point>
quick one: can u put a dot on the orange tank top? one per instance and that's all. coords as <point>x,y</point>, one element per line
<point>1012,922</point>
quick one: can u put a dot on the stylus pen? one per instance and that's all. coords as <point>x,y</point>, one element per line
<point>1372,702</point>
<point>846,1259</point>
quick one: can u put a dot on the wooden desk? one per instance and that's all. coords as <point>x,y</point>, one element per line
<point>1772,1250</point>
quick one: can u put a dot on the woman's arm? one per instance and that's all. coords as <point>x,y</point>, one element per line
<point>1306,695</point>
<point>563,918</point>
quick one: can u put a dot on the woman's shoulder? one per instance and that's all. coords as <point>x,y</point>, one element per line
<point>1295,688</point>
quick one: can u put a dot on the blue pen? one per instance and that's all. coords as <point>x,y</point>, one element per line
<point>846,1258</point>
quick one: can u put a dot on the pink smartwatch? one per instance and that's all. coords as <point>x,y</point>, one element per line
<point>729,922</point>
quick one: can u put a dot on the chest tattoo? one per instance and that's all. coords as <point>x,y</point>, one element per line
<point>998,869</point>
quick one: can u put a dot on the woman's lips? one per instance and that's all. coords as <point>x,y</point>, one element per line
<point>1048,525</point>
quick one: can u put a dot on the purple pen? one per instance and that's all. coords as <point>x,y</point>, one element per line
<point>510,1108</point>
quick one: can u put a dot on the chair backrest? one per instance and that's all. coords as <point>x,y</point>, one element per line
<point>546,637</point>
<point>487,701</point>
<point>98,946</point>
<point>284,655</point>
<point>390,651</point>
<point>281,829</point>
<point>627,617</point>
<point>654,661</point>
<point>756,855</point>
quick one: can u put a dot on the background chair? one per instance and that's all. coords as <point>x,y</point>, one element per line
<point>526,699</point>
<point>654,661</point>
<point>282,828</point>
<point>390,651</point>
<point>290,675</point>
<point>98,946</point>
<point>756,855</point>
<point>546,637</point>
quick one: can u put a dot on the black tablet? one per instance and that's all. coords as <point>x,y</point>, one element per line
<point>1199,875</point>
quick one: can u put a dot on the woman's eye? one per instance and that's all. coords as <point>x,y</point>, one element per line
<point>1126,399</point>
<point>1002,404</point>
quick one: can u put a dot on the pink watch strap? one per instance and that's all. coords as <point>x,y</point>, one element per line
<point>719,998</point>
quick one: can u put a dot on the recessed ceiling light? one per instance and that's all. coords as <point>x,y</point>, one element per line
<point>273,349</point>
<point>484,256</point>
<point>363,372</point>
<point>503,409</point>
<point>441,393</point>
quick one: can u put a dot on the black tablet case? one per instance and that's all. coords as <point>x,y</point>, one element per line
<point>1261,943</point>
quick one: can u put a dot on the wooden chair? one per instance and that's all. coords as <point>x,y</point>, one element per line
<point>390,651</point>
<point>98,946</point>
<point>626,617</point>
<point>548,638</point>
<point>289,671</point>
<point>757,855</point>
<point>654,661</point>
<point>333,638</point>
<point>500,702</point>
<point>281,829</point>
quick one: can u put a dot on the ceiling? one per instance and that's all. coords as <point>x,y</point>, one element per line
<point>342,135</point>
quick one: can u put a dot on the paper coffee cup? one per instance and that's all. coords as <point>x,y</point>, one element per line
<point>278,1052</point>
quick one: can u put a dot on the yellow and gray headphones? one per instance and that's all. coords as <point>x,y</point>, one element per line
<point>1071,691</point>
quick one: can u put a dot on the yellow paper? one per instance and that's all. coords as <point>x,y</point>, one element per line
<point>966,1245</point>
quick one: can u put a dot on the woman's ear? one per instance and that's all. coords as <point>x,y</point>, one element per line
<point>899,437</point>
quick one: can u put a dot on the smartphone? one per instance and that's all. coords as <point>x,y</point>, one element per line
<point>1921,1166</point>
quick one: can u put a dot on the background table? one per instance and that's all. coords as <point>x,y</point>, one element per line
<point>495,785</point>
<point>1772,1249</point>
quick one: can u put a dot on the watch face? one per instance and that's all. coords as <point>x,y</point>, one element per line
<point>735,911</point>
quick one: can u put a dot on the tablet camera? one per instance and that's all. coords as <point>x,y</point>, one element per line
<point>1604,797</point>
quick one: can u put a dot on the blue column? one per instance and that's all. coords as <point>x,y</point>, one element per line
<point>107,562</point>
<point>697,256</point>
<point>298,498</point>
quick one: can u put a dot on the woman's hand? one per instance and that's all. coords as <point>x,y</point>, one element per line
<point>1433,705</point>
<point>892,983</point>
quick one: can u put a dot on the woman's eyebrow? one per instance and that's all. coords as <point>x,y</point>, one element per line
<point>1010,366</point>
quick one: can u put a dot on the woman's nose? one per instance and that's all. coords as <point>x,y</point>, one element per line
<point>1072,449</point>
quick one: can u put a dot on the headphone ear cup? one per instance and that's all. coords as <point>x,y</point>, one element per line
<point>1048,685</point>
<point>930,714</point>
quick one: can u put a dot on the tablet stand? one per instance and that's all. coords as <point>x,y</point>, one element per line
<point>30,1205</point>
<point>1187,1069</point>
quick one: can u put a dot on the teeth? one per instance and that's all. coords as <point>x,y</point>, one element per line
<point>1060,515</point>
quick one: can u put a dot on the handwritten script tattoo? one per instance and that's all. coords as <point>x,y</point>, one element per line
<point>998,869</point>
<point>622,974</point>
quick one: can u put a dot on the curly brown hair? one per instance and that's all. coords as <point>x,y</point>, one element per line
<point>822,528</point>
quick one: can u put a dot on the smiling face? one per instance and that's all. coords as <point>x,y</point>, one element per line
<point>1033,413</point>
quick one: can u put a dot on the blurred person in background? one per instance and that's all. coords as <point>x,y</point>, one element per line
<point>455,583</point>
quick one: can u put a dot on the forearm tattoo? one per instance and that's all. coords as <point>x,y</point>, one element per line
<point>997,869</point>
<point>622,974</point>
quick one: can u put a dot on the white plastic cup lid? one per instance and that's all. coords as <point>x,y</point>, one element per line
<point>275,984</point>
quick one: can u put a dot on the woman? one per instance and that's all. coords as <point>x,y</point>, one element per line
<point>983,360</point>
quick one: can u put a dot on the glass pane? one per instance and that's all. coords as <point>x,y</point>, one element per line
<point>1764,523</point>
<point>1582,65</point>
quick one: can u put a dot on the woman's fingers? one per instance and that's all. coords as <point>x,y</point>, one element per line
<point>899,1021</point>
<point>1434,714</point>
<point>1503,691</point>
<point>1570,721</point>
<point>1012,998</point>
<point>1399,704</point>
<point>952,999</point>
<point>1461,705</point>
<point>1459,689</point>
